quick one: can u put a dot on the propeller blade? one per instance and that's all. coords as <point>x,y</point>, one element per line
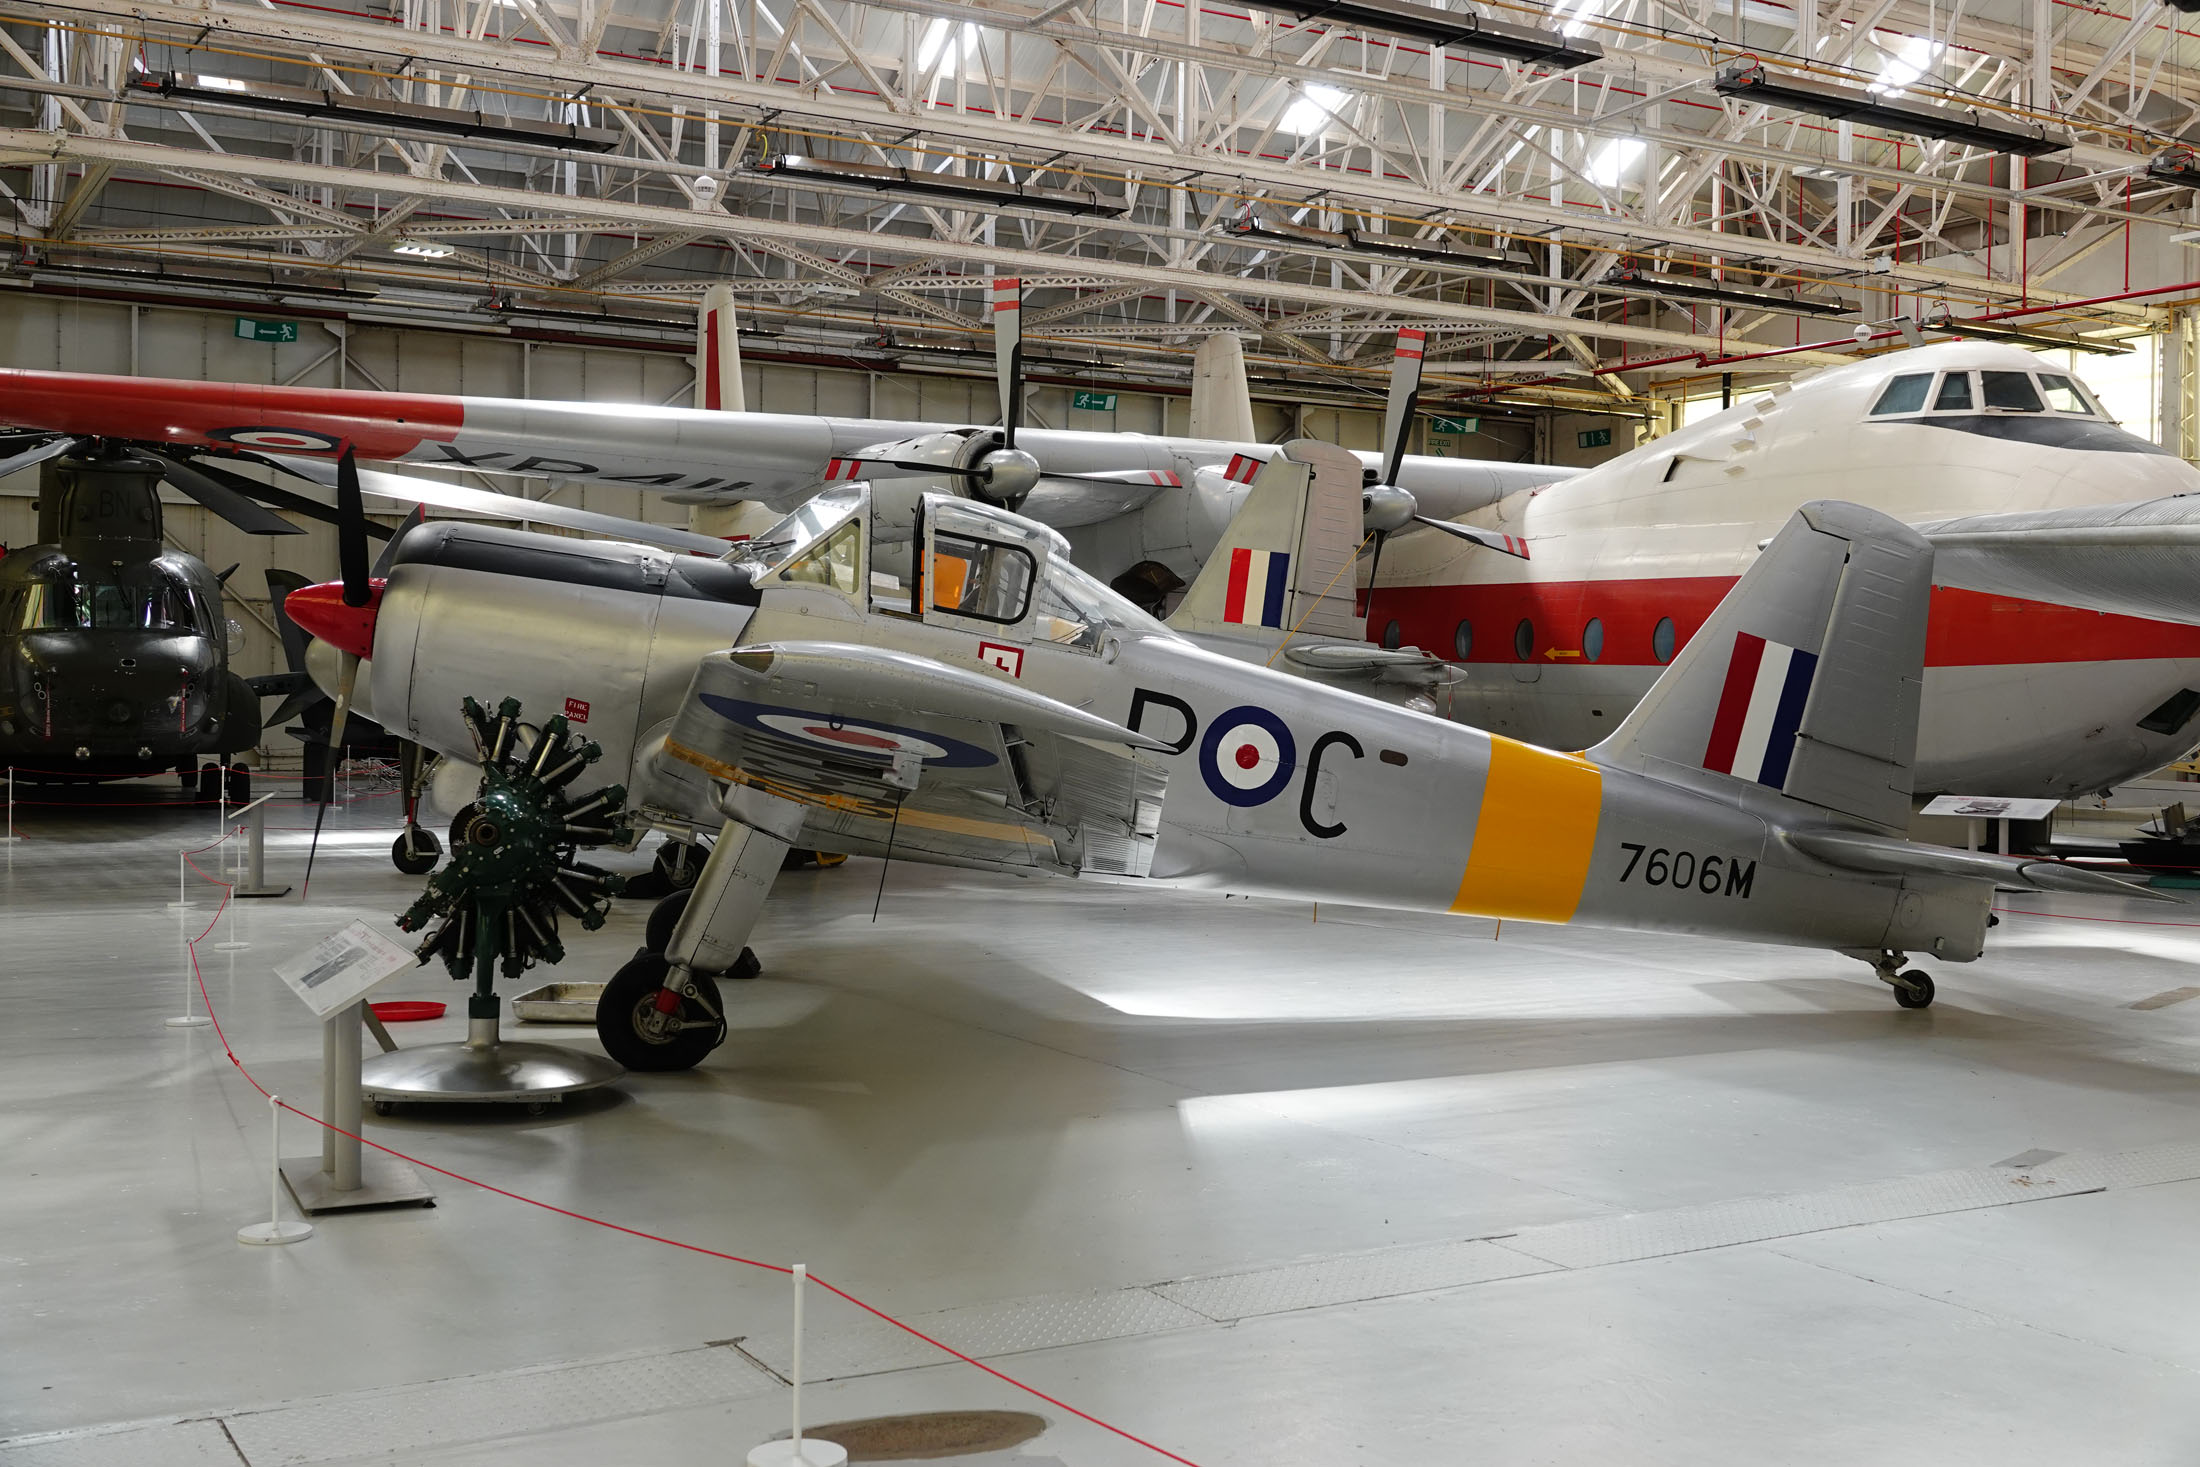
<point>1008,353</point>
<point>280,583</point>
<point>351,537</point>
<point>223,576</point>
<point>312,509</point>
<point>1374,568</point>
<point>1495,540</point>
<point>50,448</point>
<point>294,705</point>
<point>346,683</point>
<point>388,557</point>
<point>245,514</point>
<point>1405,386</point>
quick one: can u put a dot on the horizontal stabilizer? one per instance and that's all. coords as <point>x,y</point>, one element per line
<point>1888,856</point>
<point>1361,659</point>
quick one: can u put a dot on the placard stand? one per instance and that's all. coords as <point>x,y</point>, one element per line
<point>346,1175</point>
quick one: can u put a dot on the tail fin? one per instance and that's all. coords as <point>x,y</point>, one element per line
<point>1288,561</point>
<point>718,353</point>
<point>1806,679</point>
<point>1222,401</point>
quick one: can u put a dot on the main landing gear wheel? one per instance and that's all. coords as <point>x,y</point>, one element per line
<point>416,852</point>
<point>639,1033</point>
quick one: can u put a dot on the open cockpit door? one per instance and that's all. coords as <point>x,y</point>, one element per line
<point>979,569</point>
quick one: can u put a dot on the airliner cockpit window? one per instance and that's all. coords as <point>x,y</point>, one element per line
<point>2063,395</point>
<point>1955,393</point>
<point>2012,392</point>
<point>1905,394</point>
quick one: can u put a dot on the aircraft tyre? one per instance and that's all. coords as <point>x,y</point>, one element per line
<point>240,784</point>
<point>210,783</point>
<point>416,852</point>
<point>627,1018</point>
<point>1913,989</point>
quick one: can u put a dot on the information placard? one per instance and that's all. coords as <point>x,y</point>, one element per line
<point>341,968</point>
<point>1990,807</point>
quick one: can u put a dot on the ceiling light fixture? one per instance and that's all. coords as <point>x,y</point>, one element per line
<point>2019,336</point>
<point>1635,282</point>
<point>424,249</point>
<point>1453,28</point>
<point>466,122</point>
<point>1750,79</point>
<point>793,168</point>
<point>1367,242</point>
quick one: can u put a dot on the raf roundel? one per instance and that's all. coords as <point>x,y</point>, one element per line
<point>830,731</point>
<point>287,440</point>
<point>1247,756</point>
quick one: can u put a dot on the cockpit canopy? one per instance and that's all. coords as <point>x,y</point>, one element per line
<point>980,567</point>
<point>2044,408</point>
<point>61,594</point>
<point>1992,390</point>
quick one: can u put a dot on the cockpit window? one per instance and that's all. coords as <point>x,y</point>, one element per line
<point>1077,611</point>
<point>1905,394</point>
<point>833,562</point>
<point>2063,395</point>
<point>979,578</point>
<point>1955,393</point>
<point>2012,392</point>
<point>74,599</point>
<point>783,541</point>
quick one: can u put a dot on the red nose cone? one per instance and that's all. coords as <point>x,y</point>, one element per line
<point>322,612</point>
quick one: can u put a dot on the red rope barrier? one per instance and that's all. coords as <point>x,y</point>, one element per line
<point>198,977</point>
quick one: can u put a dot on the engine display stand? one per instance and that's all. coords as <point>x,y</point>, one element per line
<point>486,1069</point>
<point>346,1176</point>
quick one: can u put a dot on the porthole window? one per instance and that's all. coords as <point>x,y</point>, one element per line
<point>1462,641</point>
<point>1524,640</point>
<point>1592,639</point>
<point>1662,639</point>
<point>1392,636</point>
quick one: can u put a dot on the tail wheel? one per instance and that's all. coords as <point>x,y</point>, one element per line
<point>1913,989</point>
<point>416,852</point>
<point>639,1034</point>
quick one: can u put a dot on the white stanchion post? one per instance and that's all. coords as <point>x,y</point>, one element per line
<point>189,1018</point>
<point>792,1451</point>
<point>182,902</point>
<point>11,806</point>
<point>232,943</point>
<point>275,1230</point>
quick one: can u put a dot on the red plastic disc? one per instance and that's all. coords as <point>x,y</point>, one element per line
<point>398,1011</point>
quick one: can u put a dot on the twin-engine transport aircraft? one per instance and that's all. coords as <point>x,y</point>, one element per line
<point>1166,499</point>
<point>2033,686</point>
<point>921,674</point>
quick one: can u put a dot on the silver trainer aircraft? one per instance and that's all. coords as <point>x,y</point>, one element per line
<point>915,674</point>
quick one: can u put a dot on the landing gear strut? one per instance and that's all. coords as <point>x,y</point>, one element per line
<point>416,851</point>
<point>662,1010</point>
<point>1913,987</point>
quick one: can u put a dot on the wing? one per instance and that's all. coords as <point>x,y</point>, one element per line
<point>2138,559</point>
<point>947,763</point>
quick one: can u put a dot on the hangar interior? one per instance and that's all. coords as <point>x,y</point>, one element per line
<point>1097,1172</point>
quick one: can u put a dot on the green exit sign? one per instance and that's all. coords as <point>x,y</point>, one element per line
<point>1594,438</point>
<point>1094,402</point>
<point>1455,425</point>
<point>251,330</point>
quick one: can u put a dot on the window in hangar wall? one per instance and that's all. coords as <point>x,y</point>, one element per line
<point>2129,386</point>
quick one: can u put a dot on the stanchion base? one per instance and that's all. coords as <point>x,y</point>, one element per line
<point>269,1234</point>
<point>522,1074</point>
<point>188,1021</point>
<point>260,891</point>
<point>814,1453</point>
<point>383,1182</point>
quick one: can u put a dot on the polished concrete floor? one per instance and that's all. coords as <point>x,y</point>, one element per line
<point>1258,1184</point>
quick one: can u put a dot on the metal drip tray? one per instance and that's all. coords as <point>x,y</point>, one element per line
<point>558,1003</point>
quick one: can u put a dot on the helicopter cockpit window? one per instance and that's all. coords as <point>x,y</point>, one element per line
<point>984,579</point>
<point>36,606</point>
<point>2012,392</point>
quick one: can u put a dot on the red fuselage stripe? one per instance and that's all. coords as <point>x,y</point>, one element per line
<point>1967,628</point>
